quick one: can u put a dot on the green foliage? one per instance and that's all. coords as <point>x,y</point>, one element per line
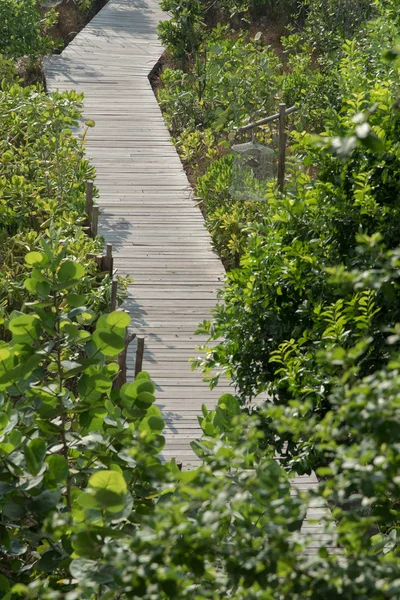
<point>283,277</point>
<point>8,72</point>
<point>233,524</point>
<point>328,24</point>
<point>238,80</point>
<point>43,175</point>
<point>182,34</point>
<point>43,170</point>
<point>77,459</point>
<point>22,27</point>
<point>229,221</point>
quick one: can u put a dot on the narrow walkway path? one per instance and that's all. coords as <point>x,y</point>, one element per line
<point>147,212</point>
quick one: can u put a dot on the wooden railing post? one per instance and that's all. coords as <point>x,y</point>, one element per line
<point>282,146</point>
<point>121,378</point>
<point>94,222</point>
<point>114,290</point>
<point>139,355</point>
<point>89,201</point>
<point>108,260</point>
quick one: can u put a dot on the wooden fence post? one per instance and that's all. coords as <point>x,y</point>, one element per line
<point>94,222</point>
<point>121,378</point>
<point>139,355</point>
<point>89,201</point>
<point>108,260</point>
<point>114,289</point>
<point>282,146</point>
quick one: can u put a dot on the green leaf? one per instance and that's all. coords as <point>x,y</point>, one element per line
<point>145,386</point>
<point>373,143</point>
<point>118,318</point>
<point>34,455</point>
<point>86,571</point>
<point>24,328</point>
<point>153,422</point>
<point>129,392</point>
<point>4,353</point>
<point>143,375</point>
<point>58,467</point>
<point>109,489</point>
<point>109,343</point>
<point>4,584</point>
<point>15,508</point>
<point>34,258</point>
<point>45,501</point>
<point>144,400</point>
<point>50,561</point>
<point>87,500</point>
<point>75,300</point>
<point>70,270</point>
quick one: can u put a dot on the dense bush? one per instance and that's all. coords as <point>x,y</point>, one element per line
<point>22,29</point>
<point>328,24</point>
<point>238,81</point>
<point>232,527</point>
<point>43,175</point>
<point>280,309</point>
<point>68,442</point>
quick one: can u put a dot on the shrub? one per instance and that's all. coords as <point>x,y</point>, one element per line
<point>236,74</point>
<point>328,24</point>
<point>73,451</point>
<point>22,27</point>
<point>43,175</point>
<point>183,33</point>
<point>280,308</point>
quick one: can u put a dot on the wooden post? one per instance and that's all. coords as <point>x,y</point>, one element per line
<point>282,146</point>
<point>94,222</point>
<point>121,378</point>
<point>108,260</point>
<point>114,289</point>
<point>89,201</point>
<point>139,355</point>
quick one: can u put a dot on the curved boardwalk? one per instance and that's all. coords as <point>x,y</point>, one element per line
<point>147,211</point>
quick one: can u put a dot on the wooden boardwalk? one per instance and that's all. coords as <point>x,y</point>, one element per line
<point>147,212</point>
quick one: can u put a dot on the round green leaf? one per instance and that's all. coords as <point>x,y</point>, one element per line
<point>4,353</point>
<point>145,386</point>
<point>58,467</point>
<point>156,424</point>
<point>109,489</point>
<point>145,399</point>
<point>118,318</point>
<point>128,392</point>
<point>34,258</point>
<point>4,584</point>
<point>70,270</point>
<point>108,480</point>
<point>143,376</point>
<point>109,344</point>
<point>24,328</point>
<point>34,455</point>
<point>75,300</point>
<point>7,156</point>
<point>87,500</point>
